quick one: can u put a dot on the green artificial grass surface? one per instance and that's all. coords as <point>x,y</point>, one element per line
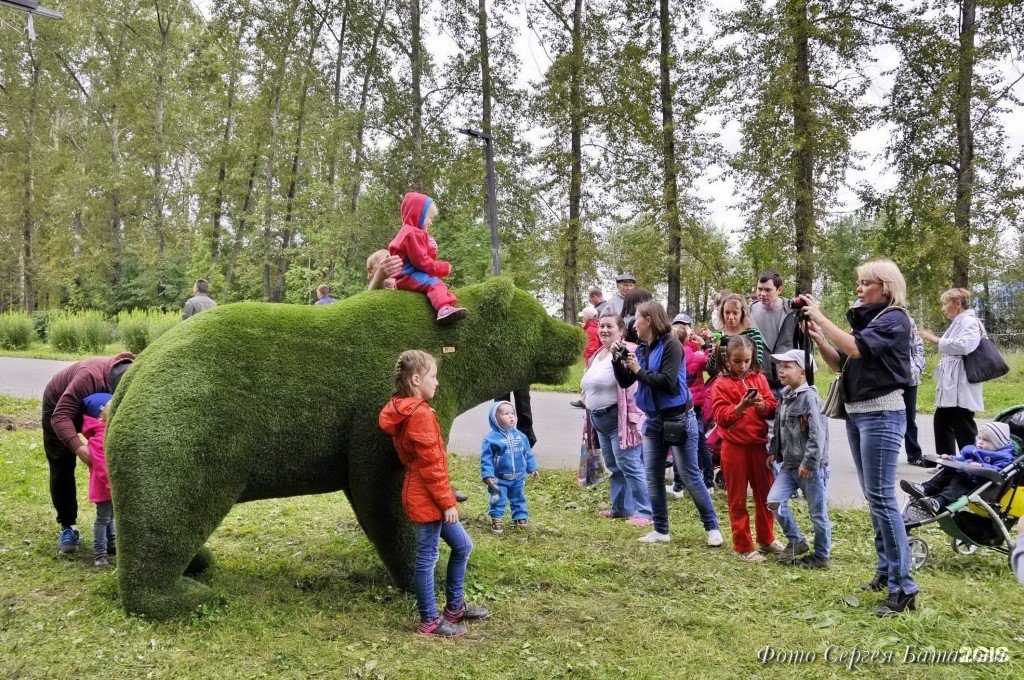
<point>301,593</point>
<point>252,401</point>
<point>40,350</point>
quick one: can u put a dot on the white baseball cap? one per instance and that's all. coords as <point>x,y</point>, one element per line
<point>794,355</point>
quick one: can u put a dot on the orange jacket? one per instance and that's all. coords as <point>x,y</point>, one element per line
<point>427,490</point>
<point>748,427</point>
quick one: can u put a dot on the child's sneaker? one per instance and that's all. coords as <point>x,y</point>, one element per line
<point>813,561</point>
<point>69,540</point>
<point>521,524</point>
<point>715,538</point>
<point>497,527</point>
<point>101,560</point>
<point>441,627</point>
<point>792,551</point>
<point>752,556</point>
<point>775,548</point>
<point>638,521</point>
<point>448,314</point>
<point>655,537</point>
<point>467,612</point>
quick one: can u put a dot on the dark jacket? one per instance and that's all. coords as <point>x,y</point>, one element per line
<point>662,376</point>
<point>883,340</point>
<point>66,390</point>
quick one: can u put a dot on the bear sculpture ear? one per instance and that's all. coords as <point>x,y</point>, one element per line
<point>496,296</point>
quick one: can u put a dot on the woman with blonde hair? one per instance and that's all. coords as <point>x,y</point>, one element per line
<point>956,399</point>
<point>874,358</point>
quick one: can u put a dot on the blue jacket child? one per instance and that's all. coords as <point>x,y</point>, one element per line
<point>505,460</point>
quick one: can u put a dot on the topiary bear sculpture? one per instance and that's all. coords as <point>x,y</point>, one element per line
<point>254,400</point>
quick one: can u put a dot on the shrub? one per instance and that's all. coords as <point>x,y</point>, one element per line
<point>62,333</point>
<point>16,330</point>
<point>87,331</point>
<point>41,319</point>
<point>138,329</point>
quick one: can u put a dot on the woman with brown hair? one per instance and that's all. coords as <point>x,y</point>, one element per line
<point>734,315</point>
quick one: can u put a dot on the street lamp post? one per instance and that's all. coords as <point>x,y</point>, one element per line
<point>492,195</point>
<point>33,8</point>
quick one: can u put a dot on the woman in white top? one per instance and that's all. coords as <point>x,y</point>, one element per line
<point>614,423</point>
<point>956,400</point>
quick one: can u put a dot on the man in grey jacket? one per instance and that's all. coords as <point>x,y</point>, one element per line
<point>800,444</point>
<point>199,302</point>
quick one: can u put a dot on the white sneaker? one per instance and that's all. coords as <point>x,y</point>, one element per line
<point>669,490</point>
<point>715,538</point>
<point>752,557</point>
<point>655,537</point>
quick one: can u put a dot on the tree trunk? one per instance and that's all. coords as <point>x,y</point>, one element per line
<point>364,96</point>
<point>293,181</point>
<point>332,171</point>
<point>222,172</point>
<point>965,144</point>
<point>229,276</point>
<point>571,291</point>
<point>416,58</point>
<point>670,190</point>
<point>28,295</point>
<point>803,152</point>
<point>485,67</point>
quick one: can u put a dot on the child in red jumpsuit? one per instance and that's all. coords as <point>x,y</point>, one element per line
<point>422,271</point>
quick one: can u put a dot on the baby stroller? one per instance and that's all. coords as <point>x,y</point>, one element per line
<point>985,517</point>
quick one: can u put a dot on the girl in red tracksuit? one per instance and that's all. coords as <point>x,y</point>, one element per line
<point>743,403</point>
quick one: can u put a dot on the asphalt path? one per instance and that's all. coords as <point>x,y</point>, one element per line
<point>558,425</point>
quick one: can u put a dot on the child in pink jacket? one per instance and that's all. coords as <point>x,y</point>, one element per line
<point>94,423</point>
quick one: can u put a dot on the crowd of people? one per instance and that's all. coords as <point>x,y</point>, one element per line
<point>657,394</point>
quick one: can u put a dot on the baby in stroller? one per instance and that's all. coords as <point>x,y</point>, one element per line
<point>994,450</point>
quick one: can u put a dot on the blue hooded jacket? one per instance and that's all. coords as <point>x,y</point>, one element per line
<point>505,452</point>
<point>993,460</point>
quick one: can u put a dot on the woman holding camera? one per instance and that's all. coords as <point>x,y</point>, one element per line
<point>875,362</point>
<point>656,367</point>
<point>614,422</point>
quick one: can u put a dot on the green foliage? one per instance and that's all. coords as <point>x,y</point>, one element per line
<point>16,330</point>
<point>88,331</point>
<point>138,328</point>
<point>249,401</point>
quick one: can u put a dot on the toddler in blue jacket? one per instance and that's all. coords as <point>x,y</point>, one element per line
<point>995,450</point>
<point>505,460</point>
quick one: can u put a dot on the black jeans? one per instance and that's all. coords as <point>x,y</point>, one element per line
<point>949,485</point>
<point>910,442</point>
<point>524,413</point>
<point>954,429</point>
<point>62,463</point>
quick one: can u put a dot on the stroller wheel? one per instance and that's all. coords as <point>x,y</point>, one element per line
<point>719,479</point>
<point>918,552</point>
<point>961,547</point>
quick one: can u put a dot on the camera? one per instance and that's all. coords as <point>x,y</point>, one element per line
<point>799,302</point>
<point>621,354</point>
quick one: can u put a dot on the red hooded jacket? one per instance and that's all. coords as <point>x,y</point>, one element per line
<point>413,244</point>
<point>593,340</point>
<point>427,490</point>
<point>748,427</point>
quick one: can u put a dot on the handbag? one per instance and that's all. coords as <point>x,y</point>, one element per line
<point>835,404</point>
<point>673,431</point>
<point>985,363</point>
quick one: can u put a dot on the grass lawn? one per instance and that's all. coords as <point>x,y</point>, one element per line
<point>304,595</point>
<point>42,350</point>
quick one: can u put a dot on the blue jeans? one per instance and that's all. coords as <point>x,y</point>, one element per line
<point>816,492</point>
<point>684,456</point>
<point>511,492</point>
<point>628,481</point>
<point>875,440</point>
<point>428,535</point>
<point>705,461</point>
<point>103,527</point>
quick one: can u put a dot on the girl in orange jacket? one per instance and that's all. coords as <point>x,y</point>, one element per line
<point>743,403</point>
<point>427,494</point>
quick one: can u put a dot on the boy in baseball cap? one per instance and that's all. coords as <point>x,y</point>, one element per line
<point>800,445</point>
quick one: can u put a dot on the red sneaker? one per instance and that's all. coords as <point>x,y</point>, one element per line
<point>441,627</point>
<point>467,612</point>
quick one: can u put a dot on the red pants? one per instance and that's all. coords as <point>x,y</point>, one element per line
<point>743,465</point>
<point>437,293</point>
